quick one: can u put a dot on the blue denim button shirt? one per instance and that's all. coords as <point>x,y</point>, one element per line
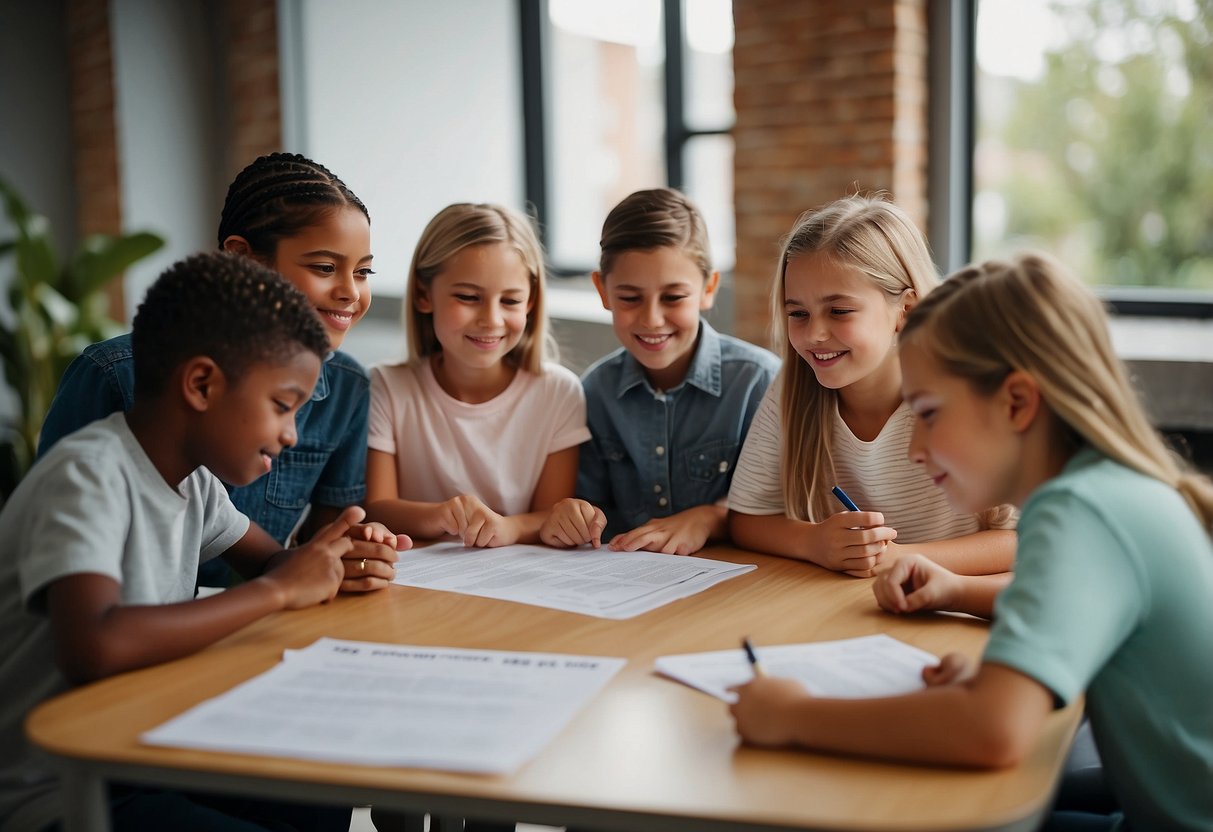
<point>327,465</point>
<point>654,454</point>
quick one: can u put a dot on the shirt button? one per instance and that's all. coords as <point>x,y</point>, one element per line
<point>659,450</point>
<point>724,466</point>
<point>663,502</point>
<point>656,489</point>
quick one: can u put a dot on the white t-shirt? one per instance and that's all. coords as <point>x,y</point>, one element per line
<point>96,504</point>
<point>494,450</point>
<point>877,475</point>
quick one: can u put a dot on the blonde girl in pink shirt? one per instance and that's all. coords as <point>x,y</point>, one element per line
<point>476,434</point>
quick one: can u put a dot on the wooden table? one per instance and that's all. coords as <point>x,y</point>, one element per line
<point>647,754</point>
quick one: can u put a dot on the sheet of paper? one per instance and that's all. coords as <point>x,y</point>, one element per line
<point>589,581</point>
<point>853,668</point>
<point>483,711</point>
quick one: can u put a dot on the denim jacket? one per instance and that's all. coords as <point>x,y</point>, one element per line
<point>655,454</point>
<point>327,465</point>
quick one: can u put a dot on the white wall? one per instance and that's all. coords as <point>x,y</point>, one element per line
<point>168,130</point>
<point>415,105</point>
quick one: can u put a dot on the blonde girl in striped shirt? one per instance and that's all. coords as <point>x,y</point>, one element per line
<point>849,274</point>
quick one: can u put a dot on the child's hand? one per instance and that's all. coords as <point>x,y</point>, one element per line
<point>952,669</point>
<point>476,524</point>
<point>683,533</point>
<point>572,522</point>
<point>915,583</point>
<point>851,541</point>
<point>370,564</point>
<point>763,710</point>
<point>312,573</point>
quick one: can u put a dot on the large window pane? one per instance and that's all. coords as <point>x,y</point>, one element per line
<point>1095,137</point>
<point>709,64</point>
<point>709,175</point>
<point>606,123</point>
<point>415,106</point>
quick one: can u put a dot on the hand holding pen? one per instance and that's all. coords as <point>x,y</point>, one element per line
<point>851,541</point>
<point>760,711</point>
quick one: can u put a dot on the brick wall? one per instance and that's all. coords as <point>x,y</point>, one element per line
<point>94,139</point>
<point>247,82</point>
<point>248,41</point>
<point>831,96</point>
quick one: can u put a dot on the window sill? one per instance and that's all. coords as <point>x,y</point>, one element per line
<point>1170,362</point>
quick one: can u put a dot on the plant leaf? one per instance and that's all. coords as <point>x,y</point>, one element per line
<point>102,258</point>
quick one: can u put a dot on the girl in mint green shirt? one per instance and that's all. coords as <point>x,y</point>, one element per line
<point>1019,398</point>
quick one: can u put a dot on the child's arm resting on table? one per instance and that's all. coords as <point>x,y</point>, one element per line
<point>991,720</point>
<point>466,516</point>
<point>986,552</point>
<point>369,564</point>
<point>858,543</point>
<point>97,636</point>
<point>684,533</point>
<point>915,583</point>
<point>849,541</point>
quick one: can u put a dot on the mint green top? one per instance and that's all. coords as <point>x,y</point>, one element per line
<point>1113,595</point>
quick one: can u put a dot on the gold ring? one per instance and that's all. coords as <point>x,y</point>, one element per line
<point>362,565</point>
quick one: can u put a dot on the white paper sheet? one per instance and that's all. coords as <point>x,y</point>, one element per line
<point>853,668</point>
<point>483,711</point>
<point>589,581</point>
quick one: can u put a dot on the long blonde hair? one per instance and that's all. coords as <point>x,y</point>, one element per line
<point>876,237</point>
<point>1031,314</point>
<point>452,230</point>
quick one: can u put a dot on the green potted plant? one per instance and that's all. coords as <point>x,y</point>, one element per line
<point>53,313</point>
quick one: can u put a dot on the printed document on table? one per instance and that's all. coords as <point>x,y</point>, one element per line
<point>853,668</point>
<point>483,711</point>
<point>588,581</point>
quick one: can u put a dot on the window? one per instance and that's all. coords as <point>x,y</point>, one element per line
<point>557,107</point>
<point>414,105</point>
<point>1094,139</point>
<point>634,94</point>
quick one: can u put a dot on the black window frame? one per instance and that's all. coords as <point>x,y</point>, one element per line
<point>533,24</point>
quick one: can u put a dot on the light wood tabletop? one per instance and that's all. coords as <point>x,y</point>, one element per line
<point>646,754</point>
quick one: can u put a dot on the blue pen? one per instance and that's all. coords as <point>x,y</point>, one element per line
<point>844,499</point>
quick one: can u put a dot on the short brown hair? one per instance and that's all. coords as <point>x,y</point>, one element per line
<point>655,218</point>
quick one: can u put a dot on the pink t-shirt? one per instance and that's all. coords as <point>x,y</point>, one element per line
<point>494,450</point>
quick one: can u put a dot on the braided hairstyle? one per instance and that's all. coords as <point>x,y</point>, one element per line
<point>279,195</point>
<point>229,308</point>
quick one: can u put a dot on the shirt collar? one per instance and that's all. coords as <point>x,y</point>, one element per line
<point>322,383</point>
<point>703,373</point>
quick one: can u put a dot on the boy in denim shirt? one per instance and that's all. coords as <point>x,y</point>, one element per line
<point>670,409</point>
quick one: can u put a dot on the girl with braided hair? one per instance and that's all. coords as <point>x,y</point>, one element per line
<point>295,216</point>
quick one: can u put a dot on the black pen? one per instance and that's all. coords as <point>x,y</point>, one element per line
<point>752,656</point>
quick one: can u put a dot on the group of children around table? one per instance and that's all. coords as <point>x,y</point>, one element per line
<point>983,425</point>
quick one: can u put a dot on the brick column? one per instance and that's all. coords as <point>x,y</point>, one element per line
<point>831,97</point>
<point>94,137</point>
<point>248,42</point>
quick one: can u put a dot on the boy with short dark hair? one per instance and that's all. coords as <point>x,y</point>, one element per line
<point>670,409</point>
<point>100,544</point>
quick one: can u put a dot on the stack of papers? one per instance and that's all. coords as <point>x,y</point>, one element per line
<point>485,711</point>
<point>595,582</point>
<point>854,668</point>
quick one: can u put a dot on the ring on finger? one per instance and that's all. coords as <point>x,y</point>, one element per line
<point>362,565</point>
